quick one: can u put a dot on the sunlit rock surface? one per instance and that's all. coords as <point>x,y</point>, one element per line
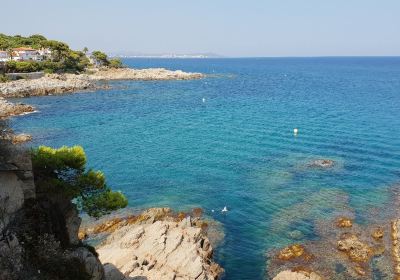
<point>156,244</point>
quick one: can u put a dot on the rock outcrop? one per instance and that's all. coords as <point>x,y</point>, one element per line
<point>38,233</point>
<point>143,74</point>
<point>156,245</point>
<point>9,109</point>
<point>50,84</point>
<point>16,182</point>
<point>64,83</point>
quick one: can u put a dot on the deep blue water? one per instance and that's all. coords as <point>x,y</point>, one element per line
<point>162,146</point>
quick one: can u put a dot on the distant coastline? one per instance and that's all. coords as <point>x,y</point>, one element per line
<point>164,55</point>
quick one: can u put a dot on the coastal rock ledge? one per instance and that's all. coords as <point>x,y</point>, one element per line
<point>68,83</point>
<point>156,245</point>
<point>8,109</point>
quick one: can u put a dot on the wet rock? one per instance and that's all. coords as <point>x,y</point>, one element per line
<point>355,249</point>
<point>377,233</point>
<point>291,252</point>
<point>344,222</point>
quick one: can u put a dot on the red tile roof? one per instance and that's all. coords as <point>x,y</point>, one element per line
<point>23,49</point>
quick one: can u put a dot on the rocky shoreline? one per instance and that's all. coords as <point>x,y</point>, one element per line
<point>9,109</point>
<point>156,244</point>
<point>66,83</point>
<point>54,84</point>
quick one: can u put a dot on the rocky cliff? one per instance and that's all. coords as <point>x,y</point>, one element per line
<point>38,232</point>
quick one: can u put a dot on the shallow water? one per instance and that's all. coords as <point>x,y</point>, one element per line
<point>162,145</point>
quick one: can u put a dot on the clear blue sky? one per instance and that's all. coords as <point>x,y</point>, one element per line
<point>226,27</point>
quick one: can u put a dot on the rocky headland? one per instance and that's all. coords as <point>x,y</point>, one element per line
<point>156,244</point>
<point>150,74</point>
<point>65,83</point>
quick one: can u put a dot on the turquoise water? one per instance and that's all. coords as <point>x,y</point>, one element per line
<point>162,145</point>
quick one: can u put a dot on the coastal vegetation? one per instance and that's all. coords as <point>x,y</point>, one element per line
<point>63,171</point>
<point>60,58</point>
<point>102,59</point>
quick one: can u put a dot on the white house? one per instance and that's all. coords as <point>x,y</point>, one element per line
<point>22,54</point>
<point>4,56</point>
<point>45,53</point>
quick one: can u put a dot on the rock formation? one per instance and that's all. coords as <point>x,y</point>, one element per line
<point>156,245</point>
<point>8,109</point>
<point>143,74</point>
<point>50,84</point>
<point>64,83</point>
<point>38,232</point>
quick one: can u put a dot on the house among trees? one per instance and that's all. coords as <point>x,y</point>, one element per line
<point>23,54</point>
<point>4,56</point>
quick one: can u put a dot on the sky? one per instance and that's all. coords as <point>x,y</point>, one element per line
<point>237,28</point>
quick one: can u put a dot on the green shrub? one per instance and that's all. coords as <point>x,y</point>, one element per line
<point>100,58</point>
<point>4,78</point>
<point>62,171</point>
<point>115,63</point>
<point>23,66</point>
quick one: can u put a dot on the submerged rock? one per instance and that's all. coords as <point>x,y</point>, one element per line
<point>377,234</point>
<point>292,252</point>
<point>344,222</point>
<point>355,249</point>
<point>322,163</point>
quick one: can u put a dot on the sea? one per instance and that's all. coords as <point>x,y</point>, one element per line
<point>228,140</point>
